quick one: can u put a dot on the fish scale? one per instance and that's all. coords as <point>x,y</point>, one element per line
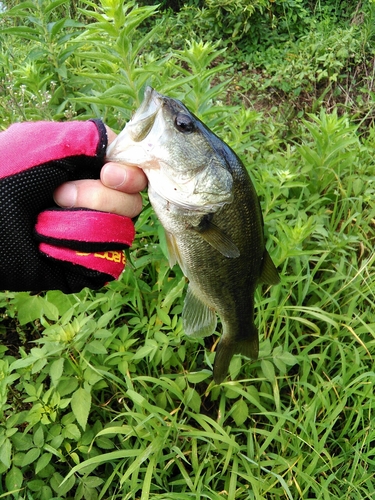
<point>208,206</point>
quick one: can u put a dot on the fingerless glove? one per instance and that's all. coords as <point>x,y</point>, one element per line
<point>43,247</point>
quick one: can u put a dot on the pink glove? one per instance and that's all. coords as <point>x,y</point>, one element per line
<point>43,247</point>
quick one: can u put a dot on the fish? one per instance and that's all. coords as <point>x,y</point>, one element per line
<point>204,198</point>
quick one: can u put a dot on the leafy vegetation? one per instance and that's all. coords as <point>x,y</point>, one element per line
<point>101,394</point>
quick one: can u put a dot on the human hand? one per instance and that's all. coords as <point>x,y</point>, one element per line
<point>117,190</point>
<point>45,247</point>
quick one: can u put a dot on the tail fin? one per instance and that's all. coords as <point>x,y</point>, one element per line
<point>226,348</point>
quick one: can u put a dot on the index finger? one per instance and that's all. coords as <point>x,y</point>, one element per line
<point>127,179</point>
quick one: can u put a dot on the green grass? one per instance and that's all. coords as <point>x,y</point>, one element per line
<point>101,394</point>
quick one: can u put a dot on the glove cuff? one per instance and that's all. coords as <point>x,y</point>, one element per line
<point>110,263</point>
<point>85,230</point>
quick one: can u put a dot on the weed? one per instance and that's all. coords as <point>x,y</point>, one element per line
<point>101,394</point>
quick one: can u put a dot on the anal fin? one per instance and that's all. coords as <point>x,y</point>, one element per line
<point>198,319</point>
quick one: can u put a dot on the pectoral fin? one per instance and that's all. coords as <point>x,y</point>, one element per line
<point>198,320</point>
<point>269,274</point>
<point>211,233</point>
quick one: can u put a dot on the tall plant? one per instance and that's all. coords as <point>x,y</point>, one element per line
<point>72,67</point>
<point>43,82</point>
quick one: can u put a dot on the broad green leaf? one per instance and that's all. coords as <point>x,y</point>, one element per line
<point>287,358</point>
<point>35,485</point>
<point>68,418</point>
<point>30,456</point>
<point>235,367</point>
<point>62,301</point>
<point>22,441</point>
<point>92,482</point>
<point>50,310</point>
<point>96,347</point>
<point>46,493</point>
<point>32,307</point>
<point>192,399</point>
<point>280,365</point>
<point>38,437</point>
<point>197,377</point>
<point>161,400</point>
<point>39,365</point>
<point>92,376</point>
<point>5,452</point>
<point>81,404</point>
<point>268,370</point>
<point>42,462</point>
<point>106,318</point>
<point>144,351</point>
<point>104,443</point>
<point>240,412</point>
<point>13,480</point>
<point>71,431</point>
<point>67,386</point>
<point>163,316</point>
<point>60,485</point>
<point>56,370</point>
<point>29,307</point>
<point>174,293</point>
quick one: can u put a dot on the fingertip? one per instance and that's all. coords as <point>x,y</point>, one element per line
<point>113,175</point>
<point>66,195</point>
<point>125,178</point>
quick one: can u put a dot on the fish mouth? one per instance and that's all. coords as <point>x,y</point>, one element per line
<point>144,118</point>
<point>123,149</point>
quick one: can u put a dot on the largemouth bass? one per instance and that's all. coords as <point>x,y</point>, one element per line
<point>207,204</point>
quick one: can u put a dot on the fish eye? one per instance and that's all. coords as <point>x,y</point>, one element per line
<point>184,123</point>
